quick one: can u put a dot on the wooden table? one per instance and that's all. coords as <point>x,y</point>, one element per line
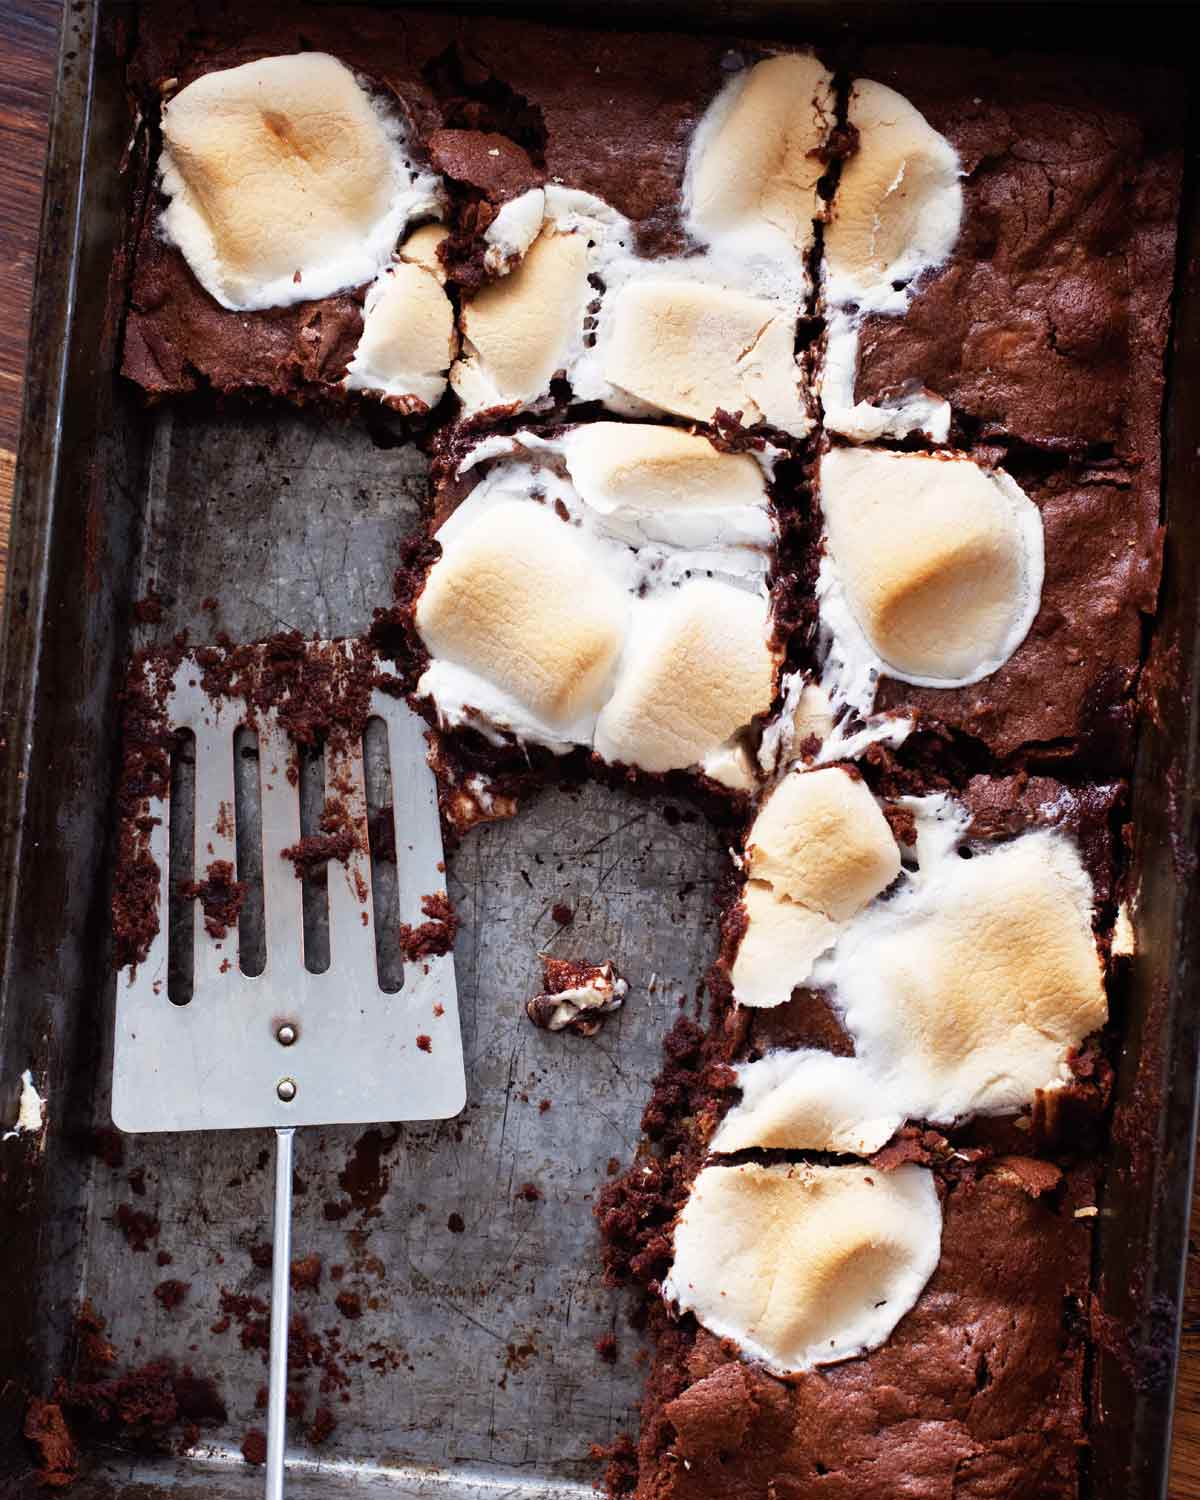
<point>28,37</point>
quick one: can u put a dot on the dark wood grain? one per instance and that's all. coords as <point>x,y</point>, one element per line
<point>28,36</point>
<point>28,43</point>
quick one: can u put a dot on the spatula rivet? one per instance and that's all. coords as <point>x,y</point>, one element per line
<point>286,1035</point>
<point>286,1089</point>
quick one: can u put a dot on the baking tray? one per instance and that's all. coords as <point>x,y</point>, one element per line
<point>478,1375</point>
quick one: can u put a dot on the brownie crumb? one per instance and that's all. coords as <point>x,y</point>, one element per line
<point>424,1043</point>
<point>903,823</point>
<point>163,1258</point>
<point>311,853</point>
<point>575,996</point>
<point>254,1446</point>
<point>563,914</point>
<point>606,1348</point>
<point>455,1224</point>
<point>171,1293</point>
<point>149,609</point>
<point>46,1429</point>
<point>621,1465</point>
<point>138,1227</point>
<point>306,1272</point>
<point>435,937</point>
<point>349,1304</point>
<point>220,897</point>
<point>322,1426</point>
<point>262,1254</point>
<point>530,1192</point>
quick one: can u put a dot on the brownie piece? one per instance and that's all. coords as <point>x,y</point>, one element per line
<point>979,1391</point>
<point>1047,325</point>
<point>1068,689</point>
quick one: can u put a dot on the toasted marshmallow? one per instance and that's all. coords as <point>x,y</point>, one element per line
<point>640,467</point>
<point>898,205</point>
<point>408,338</point>
<point>804,717</point>
<point>807,1101</point>
<point>818,851</point>
<point>515,599</point>
<point>697,669</point>
<point>421,249</point>
<point>515,227</point>
<point>804,1265</point>
<point>285,181</point>
<point>731,765</point>
<point>781,943</point>
<point>965,992</point>
<point>812,717</point>
<point>691,347</point>
<point>821,840</point>
<point>933,568</point>
<point>755,159</point>
<point>518,332</point>
<point>658,558</point>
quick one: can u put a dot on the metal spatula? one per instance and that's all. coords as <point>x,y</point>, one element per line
<point>290,1047</point>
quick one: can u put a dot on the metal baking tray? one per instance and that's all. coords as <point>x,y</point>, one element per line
<point>477,1373</point>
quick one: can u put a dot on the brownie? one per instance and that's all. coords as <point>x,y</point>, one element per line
<point>1047,325</point>
<point>978,1392</point>
<point>575,103</point>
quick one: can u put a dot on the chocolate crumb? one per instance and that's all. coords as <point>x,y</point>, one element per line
<point>171,1293</point>
<point>432,938</point>
<point>254,1446</point>
<point>349,1304</point>
<point>220,896</point>
<point>321,1426</point>
<point>138,1227</point>
<point>455,1223</point>
<point>46,1429</point>
<point>306,1272</point>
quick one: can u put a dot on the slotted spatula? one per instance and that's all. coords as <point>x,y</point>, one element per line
<point>290,1047</point>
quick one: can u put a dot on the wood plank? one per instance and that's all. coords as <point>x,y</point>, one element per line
<point>28,34</point>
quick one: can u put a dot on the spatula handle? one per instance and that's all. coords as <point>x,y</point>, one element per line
<point>281,1267</point>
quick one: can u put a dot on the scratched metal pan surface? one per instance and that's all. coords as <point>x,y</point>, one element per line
<point>473,1370</point>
